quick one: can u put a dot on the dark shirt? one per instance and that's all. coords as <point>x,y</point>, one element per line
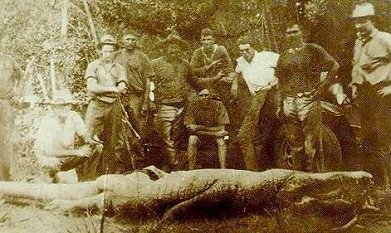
<point>138,69</point>
<point>171,81</point>
<point>299,71</point>
<point>211,113</point>
<point>199,60</point>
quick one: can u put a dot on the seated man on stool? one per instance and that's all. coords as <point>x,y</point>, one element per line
<point>55,144</point>
<point>206,119</point>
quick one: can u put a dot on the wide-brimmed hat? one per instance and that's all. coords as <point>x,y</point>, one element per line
<point>173,38</point>
<point>63,98</point>
<point>364,9</point>
<point>108,39</point>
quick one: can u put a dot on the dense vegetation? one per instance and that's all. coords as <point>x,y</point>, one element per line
<point>32,29</point>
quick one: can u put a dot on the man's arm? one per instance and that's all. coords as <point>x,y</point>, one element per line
<point>94,87</point>
<point>331,64</point>
<point>198,65</point>
<point>148,73</point>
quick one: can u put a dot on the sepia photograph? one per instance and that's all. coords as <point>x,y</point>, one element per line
<point>193,116</point>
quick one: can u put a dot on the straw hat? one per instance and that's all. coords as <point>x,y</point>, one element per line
<point>107,39</point>
<point>63,98</point>
<point>364,9</point>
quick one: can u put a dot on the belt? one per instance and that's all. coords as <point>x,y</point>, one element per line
<point>306,94</point>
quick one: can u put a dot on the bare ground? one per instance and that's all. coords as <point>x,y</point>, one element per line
<point>23,218</point>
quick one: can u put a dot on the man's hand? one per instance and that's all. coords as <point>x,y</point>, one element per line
<point>114,89</point>
<point>122,88</point>
<point>218,76</point>
<point>234,93</point>
<point>15,101</point>
<point>144,108</point>
<point>84,151</point>
<point>192,127</point>
<point>376,62</point>
<point>279,112</point>
<point>208,67</point>
<point>222,133</point>
<point>384,91</point>
<point>152,107</point>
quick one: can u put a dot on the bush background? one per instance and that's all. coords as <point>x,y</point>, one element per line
<point>31,28</point>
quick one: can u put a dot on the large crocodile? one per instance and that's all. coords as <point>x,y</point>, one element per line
<point>178,192</point>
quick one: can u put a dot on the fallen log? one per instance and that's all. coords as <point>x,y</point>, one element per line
<point>176,193</point>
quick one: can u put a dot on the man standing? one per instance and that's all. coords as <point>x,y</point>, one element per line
<point>172,75</point>
<point>213,66</point>
<point>298,71</point>
<point>138,72</point>
<point>371,83</point>
<point>206,120</point>
<point>55,143</point>
<point>10,76</point>
<point>257,69</point>
<point>106,80</point>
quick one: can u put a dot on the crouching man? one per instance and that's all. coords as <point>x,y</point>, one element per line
<point>55,144</point>
<point>206,119</point>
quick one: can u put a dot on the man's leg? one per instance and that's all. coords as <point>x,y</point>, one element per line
<point>135,116</point>
<point>293,133</point>
<point>249,129</point>
<point>311,116</point>
<point>192,151</point>
<point>222,151</point>
<point>163,124</point>
<point>376,133</point>
<point>6,125</point>
<point>95,114</point>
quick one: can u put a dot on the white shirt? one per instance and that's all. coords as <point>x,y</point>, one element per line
<point>53,135</point>
<point>259,73</point>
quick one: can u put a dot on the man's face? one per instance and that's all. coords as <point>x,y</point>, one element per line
<point>204,95</point>
<point>174,51</point>
<point>61,111</point>
<point>107,52</point>
<point>129,41</point>
<point>364,26</point>
<point>293,36</point>
<point>247,51</point>
<point>207,41</point>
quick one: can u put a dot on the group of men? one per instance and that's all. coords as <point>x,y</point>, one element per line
<point>124,85</point>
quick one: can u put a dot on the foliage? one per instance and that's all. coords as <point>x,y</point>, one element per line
<point>32,28</point>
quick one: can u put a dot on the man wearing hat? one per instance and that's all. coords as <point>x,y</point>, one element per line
<point>10,76</point>
<point>106,80</point>
<point>371,85</point>
<point>138,72</point>
<point>171,80</point>
<point>55,143</point>
<point>205,120</point>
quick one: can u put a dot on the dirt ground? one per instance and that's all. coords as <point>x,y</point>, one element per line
<point>23,218</point>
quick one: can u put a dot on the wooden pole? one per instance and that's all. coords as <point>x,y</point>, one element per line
<point>53,75</point>
<point>90,22</point>
<point>64,18</point>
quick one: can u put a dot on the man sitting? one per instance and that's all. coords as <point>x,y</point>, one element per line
<point>55,143</point>
<point>205,119</point>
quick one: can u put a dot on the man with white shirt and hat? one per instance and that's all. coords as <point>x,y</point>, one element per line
<point>55,147</point>
<point>371,85</point>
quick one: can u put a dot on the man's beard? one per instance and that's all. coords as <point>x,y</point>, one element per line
<point>296,42</point>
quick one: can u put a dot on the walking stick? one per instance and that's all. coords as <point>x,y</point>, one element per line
<point>102,220</point>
